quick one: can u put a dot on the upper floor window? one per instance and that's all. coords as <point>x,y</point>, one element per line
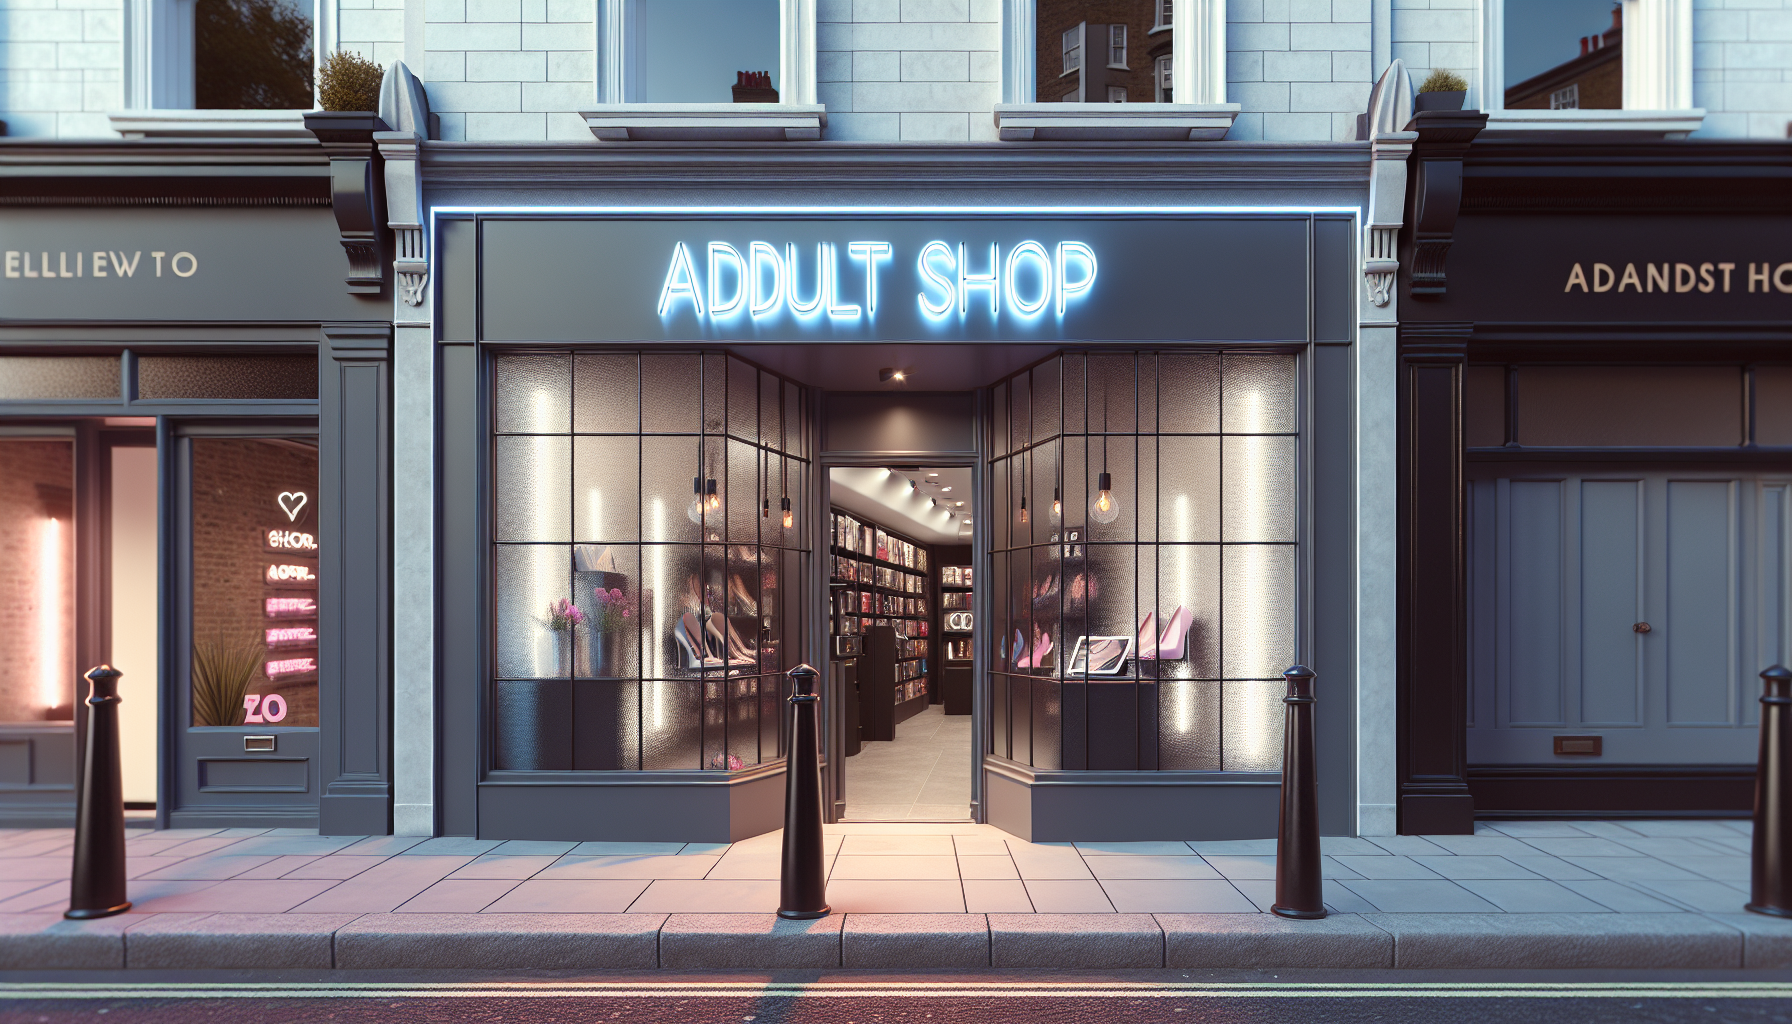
<point>1105,25</point>
<point>1164,10</point>
<point>1563,54</point>
<point>1073,49</point>
<point>1595,55</point>
<point>1117,46</point>
<point>1164,90</point>
<point>220,54</point>
<point>701,51</point>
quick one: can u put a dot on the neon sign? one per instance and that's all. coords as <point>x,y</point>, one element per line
<point>291,607</point>
<point>290,667</point>
<point>258,709</point>
<point>291,502</point>
<point>764,282</point>
<point>292,636</point>
<point>290,540</point>
<point>290,574</point>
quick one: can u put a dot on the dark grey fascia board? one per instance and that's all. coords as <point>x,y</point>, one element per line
<point>1030,776</point>
<point>1083,167</point>
<point>209,336</point>
<point>499,778</point>
<point>191,156</point>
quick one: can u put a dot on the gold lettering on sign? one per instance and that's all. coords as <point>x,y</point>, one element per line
<point>1603,277</point>
<point>1779,278</point>
<point>99,263</point>
<point>1575,277</point>
<point>1706,282</point>
<point>1655,275</point>
<point>1682,277</point>
<point>1630,278</point>
<point>1753,277</point>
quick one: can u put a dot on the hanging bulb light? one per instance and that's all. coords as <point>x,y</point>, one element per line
<point>766,512</point>
<point>1023,510</point>
<point>1104,509</point>
<point>1057,508</point>
<point>789,517</point>
<point>705,500</point>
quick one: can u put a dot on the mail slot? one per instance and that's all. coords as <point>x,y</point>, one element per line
<point>258,744</point>
<point>1589,745</point>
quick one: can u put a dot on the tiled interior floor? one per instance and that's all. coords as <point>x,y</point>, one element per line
<point>912,867</point>
<point>923,774</point>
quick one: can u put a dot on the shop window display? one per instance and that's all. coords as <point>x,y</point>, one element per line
<point>647,558</point>
<point>1146,593</point>
<point>37,573</point>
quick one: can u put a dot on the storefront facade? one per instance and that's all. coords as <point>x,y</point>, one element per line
<point>1593,475</point>
<point>195,420</point>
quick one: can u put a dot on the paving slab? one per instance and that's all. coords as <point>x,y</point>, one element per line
<point>1560,940</point>
<point>499,941</point>
<point>996,896</point>
<point>881,896</point>
<point>247,941</point>
<point>1179,895</point>
<point>49,941</point>
<point>1087,941</point>
<point>1766,941</point>
<point>750,941</point>
<point>914,941</point>
<point>1268,941</point>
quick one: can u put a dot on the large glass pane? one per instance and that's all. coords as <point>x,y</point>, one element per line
<point>673,611</point>
<point>1254,719</point>
<point>1188,581</point>
<point>672,486</point>
<point>671,724</point>
<point>606,586</point>
<point>534,394</point>
<point>1103,51</point>
<point>1112,457</point>
<point>703,51</point>
<point>1113,387</point>
<point>608,395</point>
<point>743,400</point>
<point>1563,55</point>
<point>537,637</point>
<point>1046,398</point>
<point>252,55</point>
<point>1188,725</point>
<point>668,394</point>
<point>531,479</point>
<point>744,498</point>
<point>1259,610</point>
<point>1188,488</point>
<point>606,488</point>
<point>1191,393</point>
<point>37,574</point>
<point>1259,395</point>
<point>255,555</point>
<point>1020,412</point>
<point>1261,489</point>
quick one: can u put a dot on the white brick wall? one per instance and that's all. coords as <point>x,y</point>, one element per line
<point>372,28</point>
<point>60,64</point>
<point>1433,34</point>
<point>510,70</point>
<point>1299,69</point>
<point>909,70</point>
<point>1742,67</point>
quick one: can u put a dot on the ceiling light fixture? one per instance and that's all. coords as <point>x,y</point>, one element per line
<point>933,474</point>
<point>890,373</point>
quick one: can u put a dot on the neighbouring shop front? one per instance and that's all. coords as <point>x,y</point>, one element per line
<point>643,414</point>
<point>1597,465</point>
<point>194,417</point>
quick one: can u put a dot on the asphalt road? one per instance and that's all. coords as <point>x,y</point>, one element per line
<point>1142,997</point>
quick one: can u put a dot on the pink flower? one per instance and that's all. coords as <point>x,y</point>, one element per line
<point>615,593</point>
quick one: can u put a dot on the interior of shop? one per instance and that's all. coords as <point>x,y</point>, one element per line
<point>899,591</point>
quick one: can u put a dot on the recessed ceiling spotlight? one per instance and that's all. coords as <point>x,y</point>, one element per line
<point>945,488</point>
<point>933,474</point>
<point>890,373</point>
<point>961,504</point>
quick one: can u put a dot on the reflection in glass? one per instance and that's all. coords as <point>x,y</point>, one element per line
<point>1102,51</point>
<point>696,51</point>
<point>1563,55</point>
<point>37,572</point>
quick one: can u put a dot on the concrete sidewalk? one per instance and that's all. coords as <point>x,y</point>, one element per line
<point>909,895</point>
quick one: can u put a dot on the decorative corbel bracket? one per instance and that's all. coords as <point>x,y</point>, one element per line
<point>1387,208</point>
<point>357,192</point>
<point>1443,140</point>
<point>404,206</point>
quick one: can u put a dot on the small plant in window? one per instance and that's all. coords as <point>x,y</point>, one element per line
<point>1441,80</point>
<point>615,612</point>
<point>223,669</point>
<point>349,81</point>
<point>563,616</point>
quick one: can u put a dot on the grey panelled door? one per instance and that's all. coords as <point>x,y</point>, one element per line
<point>1637,606</point>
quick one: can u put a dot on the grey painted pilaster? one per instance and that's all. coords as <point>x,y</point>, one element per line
<point>355,613</point>
<point>413,583</point>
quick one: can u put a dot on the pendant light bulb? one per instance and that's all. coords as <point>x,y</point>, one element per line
<point>789,516</point>
<point>766,512</point>
<point>1057,508</point>
<point>694,511</point>
<point>712,498</point>
<point>1023,511</point>
<point>1104,509</point>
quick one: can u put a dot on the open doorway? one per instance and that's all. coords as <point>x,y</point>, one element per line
<point>899,594</point>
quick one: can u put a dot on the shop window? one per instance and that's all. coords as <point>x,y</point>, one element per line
<point>254,648</point>
<point>37,581</point>
<point>1146,601</point>
<point>648,549</point>
<point>227,377</point>
<point>220,54</point>
<point>1594,55</point>
<point>59,377</point>
<point>1484,406</point>
<point>1772,405</point>
<point>1630,406</point>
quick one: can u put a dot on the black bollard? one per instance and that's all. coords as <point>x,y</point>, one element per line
<point>97,887</point>
<point>1770,870</point>
<point>802,885</point>
<point>1299,890</point>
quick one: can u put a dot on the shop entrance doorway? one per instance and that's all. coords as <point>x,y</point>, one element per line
<point>901,639</point>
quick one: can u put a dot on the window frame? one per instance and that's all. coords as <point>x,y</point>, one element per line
<point>1198,27</point>
<point>159,55</point>
<point>1657,87</point>
<point>796,50</point>
<point>1117,29</point>
<point>1073,52</point>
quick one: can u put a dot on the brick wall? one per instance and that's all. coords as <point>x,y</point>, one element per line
<point>60,66</point>
<point>1742,67</point>
<point>1298,69</point>
<point>511,70</point>
<point>909,70</point>
<point>31,468</point>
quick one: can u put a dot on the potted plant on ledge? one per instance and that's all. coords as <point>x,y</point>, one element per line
<point>1442,90</point>
<point>348,89</point>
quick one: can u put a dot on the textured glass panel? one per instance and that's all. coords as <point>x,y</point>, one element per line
<point>743,722</point>
<point>1046,398</point>
<point>1075,398</point>
<point>29,377</point>
<point>715,507</point>
<point>668,465</point>
<point>1260,394</point>
<point>608,395</point>
<point>743,400</point>
<point>1262,493</point>
<point>671,724</point>
<point>533,488</point>
<point>1001,611</point>
<point>1112,387</point>
<point>1259,610</point>
<point>786,480</point>
<point>1001,494</point>
<point>744,494</point>
<point>1188,488</point>
<point>606,488</point>
<point>1073,474</point>
<point>1148,398</point>
<point>796,439</point>
<point>534,725</point>
<point>606,585</point>
<point>1020,595</point>
<point>1253,714</point>
<point>1188,725</point>
<point>715,392</point>
<point>606,732</point>
<point>529,578</point>
<point>1113,605</point>
<point>37,628</point>
<point>770,413</point>
<point>1188,577</point>
<point>534,394</point>
<point>668,394</point>
<point>1189,394</point>
<point>1148,480</point>
<point>1020,412</point>
<point>1116,454</point>
<point>671,581</point>
<point>1044,479</point>
<point>1047,603</point>
<point>1048,724</point>
<point>270,377</point>
<point>998,434</point>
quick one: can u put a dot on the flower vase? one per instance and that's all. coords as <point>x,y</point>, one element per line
<point>606,655</point>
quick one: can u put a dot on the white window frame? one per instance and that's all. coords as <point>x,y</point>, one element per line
<point>1567,98</point>
<point>796,53</point>
<point>1198,28</point>
<point>1163,72</point>
<point>1117,29</point>
<point>1658,41</point>
<point>1158,24</point>
<point>1073,43</point>
<point>159,75</point>
<point>1121,89</point>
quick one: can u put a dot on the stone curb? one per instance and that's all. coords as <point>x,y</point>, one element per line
<point>894,941</point>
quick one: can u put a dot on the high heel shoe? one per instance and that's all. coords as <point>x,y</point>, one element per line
<point>1020,651</point>
<point>1173,645</point>
<point>737,646</point>
<point>1042,648</point>
<point>686,633</point>
<point>719,648</point>
<point>1147,639</point>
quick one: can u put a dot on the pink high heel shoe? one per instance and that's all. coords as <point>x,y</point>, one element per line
<point>1173,645</point>
<point>1021,660</point>
<point>1042,646</point>
<point>1147,639</point>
